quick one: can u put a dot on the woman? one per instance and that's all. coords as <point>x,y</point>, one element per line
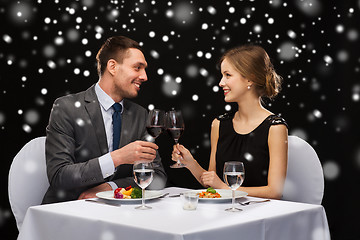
<point>252,134</point>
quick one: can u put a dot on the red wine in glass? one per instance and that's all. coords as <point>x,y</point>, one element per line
<point>154,131</point>
<point>155,123</point>
<point>175,133</point>
<point>175,127</point>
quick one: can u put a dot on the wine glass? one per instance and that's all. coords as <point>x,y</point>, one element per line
<point>234,174</point>
<point>175,127</point>
<point>143,176</point>
<point>155,123</point>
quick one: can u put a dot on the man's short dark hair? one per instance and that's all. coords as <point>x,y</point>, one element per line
<point>114,48</point>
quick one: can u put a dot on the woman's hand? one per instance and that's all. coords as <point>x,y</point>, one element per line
<point>211,179</point>
<point>183,154</point>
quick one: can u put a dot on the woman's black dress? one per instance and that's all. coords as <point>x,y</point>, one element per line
<point>252,149</point>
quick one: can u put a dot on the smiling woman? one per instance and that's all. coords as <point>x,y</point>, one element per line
<point>252,63</point>
<point>252,135</point>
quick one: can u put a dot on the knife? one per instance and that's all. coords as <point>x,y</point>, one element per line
<point>175,195</point>
<point>101,202</point>
<point>164,195</point>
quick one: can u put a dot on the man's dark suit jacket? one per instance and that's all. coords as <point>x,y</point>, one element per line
<point>76,138</point>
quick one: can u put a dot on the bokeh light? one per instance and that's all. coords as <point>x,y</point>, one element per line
<point>331,170</point>
<point>21,12</point>
<point>184,13</point>
<point>32,117</point>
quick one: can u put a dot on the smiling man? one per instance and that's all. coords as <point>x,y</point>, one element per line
<point>95,136</point>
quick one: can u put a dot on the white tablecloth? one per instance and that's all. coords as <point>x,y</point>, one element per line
<point>274,220</point>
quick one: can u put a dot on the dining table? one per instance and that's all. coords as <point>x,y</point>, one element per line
<point>113,219</point>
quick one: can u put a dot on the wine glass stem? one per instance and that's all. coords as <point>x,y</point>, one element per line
<point>143,197</point>
<point>233,198</point>
<point>176,143</point>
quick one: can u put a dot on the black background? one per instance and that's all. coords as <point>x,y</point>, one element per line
<point>313,44</point>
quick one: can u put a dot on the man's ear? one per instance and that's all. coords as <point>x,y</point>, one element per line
<point>111,66</point>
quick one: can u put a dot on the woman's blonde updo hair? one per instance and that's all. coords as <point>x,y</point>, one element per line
<point>254,64</point>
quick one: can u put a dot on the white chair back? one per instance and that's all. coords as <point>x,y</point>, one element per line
<point>28,181</point>
<point>304,179</point>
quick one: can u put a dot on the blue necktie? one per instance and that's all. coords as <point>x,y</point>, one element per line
<point>116,125</point>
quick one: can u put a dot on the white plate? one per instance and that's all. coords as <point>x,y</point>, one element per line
<point>149,194</point>
<point>224,193</point>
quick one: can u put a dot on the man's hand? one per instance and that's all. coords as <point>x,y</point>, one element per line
<point>91,193</point>
<point>134,151</point>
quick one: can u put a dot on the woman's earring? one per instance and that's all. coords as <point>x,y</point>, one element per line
<point>249,86</point>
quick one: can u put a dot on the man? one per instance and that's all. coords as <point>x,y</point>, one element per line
<point>83,153</point>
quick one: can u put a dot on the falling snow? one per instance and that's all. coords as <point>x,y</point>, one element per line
<point>48,49</point>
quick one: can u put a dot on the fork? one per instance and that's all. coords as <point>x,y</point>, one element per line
<point>249,202</point>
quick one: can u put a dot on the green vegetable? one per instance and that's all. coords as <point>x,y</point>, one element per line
<point>136,193</point>
<point>211,190</point>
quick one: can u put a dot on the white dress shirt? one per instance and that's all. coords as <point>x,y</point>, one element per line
<point>106,163</point>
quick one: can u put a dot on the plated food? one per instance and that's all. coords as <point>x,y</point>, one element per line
<point>149,194</point>
<point>209,193</point>
<point>211,197</point>
<point>127,193</point>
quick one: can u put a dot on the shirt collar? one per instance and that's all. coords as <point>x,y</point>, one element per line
<point>105,100</point>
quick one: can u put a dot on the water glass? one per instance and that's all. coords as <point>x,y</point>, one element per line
<point>190,201</point>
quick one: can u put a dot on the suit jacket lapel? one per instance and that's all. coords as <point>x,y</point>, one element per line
<point>93,108</point>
